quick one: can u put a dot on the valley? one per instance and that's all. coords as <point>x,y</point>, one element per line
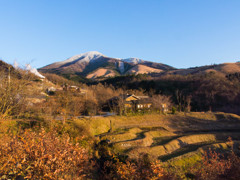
<point>161,123</point>
<point>119,90</point>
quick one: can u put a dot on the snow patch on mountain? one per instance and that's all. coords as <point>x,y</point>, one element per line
<point>121,67</point>
<point>133,60</point>
<point>84,57</point>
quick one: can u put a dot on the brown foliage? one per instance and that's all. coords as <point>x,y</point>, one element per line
<point>65,104</point>
<point>12,96</point>
<point>215,166</point>
<point>42,155</point>
<point>140,169</point>
<point>56,79</point>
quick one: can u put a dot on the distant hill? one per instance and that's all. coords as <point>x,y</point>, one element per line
<point>96,65</point>
<point>222,69</point>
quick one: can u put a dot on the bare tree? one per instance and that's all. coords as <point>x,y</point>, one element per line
<point>161,102</point>
<point>12,94</point>
<point>179,97</point>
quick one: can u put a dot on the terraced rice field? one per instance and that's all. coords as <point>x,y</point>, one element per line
<point>176,138</point>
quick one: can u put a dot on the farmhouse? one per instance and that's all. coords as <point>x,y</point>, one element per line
<point>129,103</point>
<point>136,102</point>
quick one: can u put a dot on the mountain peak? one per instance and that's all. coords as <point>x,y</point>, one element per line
<point>84,57</point>
<point>93,64</point>
<point>133,60</point>
<point>91,53</point>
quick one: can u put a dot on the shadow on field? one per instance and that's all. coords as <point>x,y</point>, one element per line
<point>183,124</point>
<point>182,151</point>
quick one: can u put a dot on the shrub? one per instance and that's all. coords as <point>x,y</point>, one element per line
<point>42,155</point>
<point>115,168</point>
<point>215,166</point>
<point>173,110</point>
<point>12,97</point>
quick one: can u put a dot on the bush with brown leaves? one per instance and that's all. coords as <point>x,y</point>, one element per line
<point>216,166</point>
<point>143,168</point>
<point>42,155</point>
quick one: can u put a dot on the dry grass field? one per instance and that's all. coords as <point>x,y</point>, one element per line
<point>175,142</point>
<point>178,139</point>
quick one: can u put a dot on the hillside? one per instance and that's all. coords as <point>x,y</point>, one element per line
<point>223,69</point>
<point>142,69</point>
<point>5,69</point>
<point>166,137</point>
<point>101,72</point>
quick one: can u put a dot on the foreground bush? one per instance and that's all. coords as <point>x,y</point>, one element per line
<point>113,167</point>
<point>46,155</point>
<point>133,170</point>
<point>42,155</point>
<point>215,166</point>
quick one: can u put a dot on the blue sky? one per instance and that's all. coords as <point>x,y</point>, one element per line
<point>180,33</point>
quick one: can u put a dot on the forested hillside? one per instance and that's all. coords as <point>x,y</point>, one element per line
<point>210,91</point>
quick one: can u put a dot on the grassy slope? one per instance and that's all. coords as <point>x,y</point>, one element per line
<point>167,137</point>
<point>194,121</point>
<point>179,140</point>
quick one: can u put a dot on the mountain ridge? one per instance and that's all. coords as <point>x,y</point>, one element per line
<point>95,65</point>
<point>86,64</point>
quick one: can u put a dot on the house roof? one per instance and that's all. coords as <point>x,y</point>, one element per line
<point>131,97</point>
<point>142,97</point>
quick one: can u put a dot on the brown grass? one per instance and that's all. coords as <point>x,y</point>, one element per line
<point>141,69</point>
<point>101,72</point>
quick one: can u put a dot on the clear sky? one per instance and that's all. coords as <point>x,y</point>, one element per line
<point>180,33</point>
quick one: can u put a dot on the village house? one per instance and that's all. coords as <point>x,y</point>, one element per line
<point>130,103</point>
<point>67,87</point>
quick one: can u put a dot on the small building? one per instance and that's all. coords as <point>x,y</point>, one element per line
<point>67,87</point>
<point>144,103</point>
<point>129,103</point>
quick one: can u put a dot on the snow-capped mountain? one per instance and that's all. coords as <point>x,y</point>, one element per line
<point>94,64</point>
<point>133,60</point>
<point>84,57</point>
